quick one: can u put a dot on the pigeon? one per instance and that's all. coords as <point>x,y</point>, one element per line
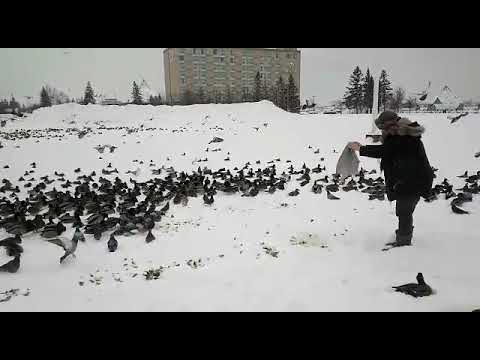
<point>12,266</point>
<point>112,244</point>
<point>420,289</point>
<point>150,237</point>
<point>68,246</point>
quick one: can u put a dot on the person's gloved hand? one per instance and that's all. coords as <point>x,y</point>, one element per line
<point>355,146</point>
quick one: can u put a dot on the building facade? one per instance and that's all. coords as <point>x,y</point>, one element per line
<point>218,73</point>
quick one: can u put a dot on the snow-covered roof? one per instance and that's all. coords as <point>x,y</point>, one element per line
<point>445,98</point>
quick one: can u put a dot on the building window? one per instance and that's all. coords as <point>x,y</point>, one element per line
<point>181,57</point>
<point>288,56</point>
<point>183,80</point>
<point>232,60</point>
<point>276,56</point>
<point>214,51</point>
<point>201,51</point>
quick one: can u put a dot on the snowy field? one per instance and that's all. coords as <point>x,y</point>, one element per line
<point>271,252</point>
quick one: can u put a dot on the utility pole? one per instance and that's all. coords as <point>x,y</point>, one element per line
<point>376,86</point>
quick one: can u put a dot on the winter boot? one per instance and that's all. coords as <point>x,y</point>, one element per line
<point>403,239</point>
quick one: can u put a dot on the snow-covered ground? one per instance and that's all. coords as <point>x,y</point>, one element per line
<point>329,252</point>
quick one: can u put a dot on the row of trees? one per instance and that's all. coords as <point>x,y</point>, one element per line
<point>360,88</point>
<point>359,94</point>
<point>12,104</point>
<point>284,95</point>
<point>50,96</point>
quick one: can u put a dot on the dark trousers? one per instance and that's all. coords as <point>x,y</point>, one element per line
<point>404,210</point>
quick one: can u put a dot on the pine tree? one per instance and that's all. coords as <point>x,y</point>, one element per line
<point>89,97</point>
<point>293,100</point>
<point>228,96</point>
<point>257,90</point>
<point>272,94</point>
<point>384,91</point>
<point>354,95</point>
<point>136,94</point>
<point>280,93</point>
<point>3,105</point>
<point>45,100</point>
<point>368,88</point>
<point>14,104</point>
<point>265,91</point>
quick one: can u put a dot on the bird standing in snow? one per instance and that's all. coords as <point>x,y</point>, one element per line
<point>112,244</point>
<point>416,290</point>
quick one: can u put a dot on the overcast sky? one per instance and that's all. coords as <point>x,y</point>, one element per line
<point>324,72</point>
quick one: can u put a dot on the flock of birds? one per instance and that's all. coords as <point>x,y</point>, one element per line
<point>97,205</point>
<point>459,196</point>
<point>121,208</point>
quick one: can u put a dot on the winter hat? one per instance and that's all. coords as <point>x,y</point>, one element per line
<point>384,117</point>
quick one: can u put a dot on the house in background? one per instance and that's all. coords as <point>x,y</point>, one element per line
<point>444,101</point>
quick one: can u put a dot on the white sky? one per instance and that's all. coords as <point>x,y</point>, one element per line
<point>324,71</point>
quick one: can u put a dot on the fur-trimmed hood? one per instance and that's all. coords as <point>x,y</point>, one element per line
<point>404,127</point>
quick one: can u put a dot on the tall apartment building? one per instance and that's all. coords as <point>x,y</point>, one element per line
<point>218,71</point>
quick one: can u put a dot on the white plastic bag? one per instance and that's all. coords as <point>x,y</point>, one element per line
<point>347,164</point>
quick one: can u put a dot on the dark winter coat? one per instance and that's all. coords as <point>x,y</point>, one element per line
<point>404,161</point>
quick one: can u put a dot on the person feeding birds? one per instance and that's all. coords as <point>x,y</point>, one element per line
<point>408,174</point>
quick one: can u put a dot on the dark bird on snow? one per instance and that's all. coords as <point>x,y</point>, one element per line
<point>208,200</point>
<point>317,188</point>
<point>12,266</point>
<point>296,192</point>
<point>416,290</point>
<point>149,237</point>
<point>112,243</point>
<point>14,240</point>
<point>53,230</point>
<point>457,210</point>
<point>330,196</point>
<point>164,209</point>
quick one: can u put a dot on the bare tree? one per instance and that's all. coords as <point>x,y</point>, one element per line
<point>397,99</point>
<point>411,103</point>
